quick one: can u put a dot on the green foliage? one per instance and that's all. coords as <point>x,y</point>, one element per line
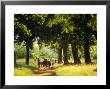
<point>46,52</point>
<point>93,52</point>
<point>54,30</point>
<point>53,54</point>
<point>20,51</point>
<point>35,51</point>
<point>43,52</point>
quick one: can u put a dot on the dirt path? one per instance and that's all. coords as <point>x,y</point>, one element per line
<point>45,72</point>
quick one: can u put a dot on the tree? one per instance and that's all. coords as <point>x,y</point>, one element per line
<point>61,36</point>
<point>75,50</point>
<point>83,23</point>
<point>72,36</point>
<point>79,30</point>
<point>84,27</point>
<point>26,30</point>
<point>14,58</point>
<point>60,54</point>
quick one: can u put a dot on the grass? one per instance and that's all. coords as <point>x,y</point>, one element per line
<point>24,70</point>
<point>58,69</point>
<point>76,70</point>
<point>21,69</point>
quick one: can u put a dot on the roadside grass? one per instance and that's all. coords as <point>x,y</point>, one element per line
<point>76,70</point>
<point>21,69</point>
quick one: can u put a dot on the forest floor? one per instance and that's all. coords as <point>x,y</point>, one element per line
<point>56,70</point>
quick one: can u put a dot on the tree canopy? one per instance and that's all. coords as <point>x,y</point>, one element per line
<point>58,31</point>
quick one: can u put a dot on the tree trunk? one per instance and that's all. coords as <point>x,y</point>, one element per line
<point>75,51</point>
<point>65,54</point>
<point>86,49</point>
<point>14,58</point>
<point>60,55</point>
<point>27,54</point>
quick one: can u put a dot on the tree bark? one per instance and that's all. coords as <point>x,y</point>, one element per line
<point>75,51</point>
<point>60,55</point>
<point>27,53</point>
<point>65,54</point>
<point>86,49</point>
<point>14,58</point>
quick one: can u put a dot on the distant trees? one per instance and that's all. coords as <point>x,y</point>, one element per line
<point>58,31</point>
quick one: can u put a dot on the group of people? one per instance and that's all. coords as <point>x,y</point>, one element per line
<point>45,62</point>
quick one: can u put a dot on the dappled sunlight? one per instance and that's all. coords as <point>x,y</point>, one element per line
<point>77,70</point>
<point>56,70</point>
<point>55,44</point>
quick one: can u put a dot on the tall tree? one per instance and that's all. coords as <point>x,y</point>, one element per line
<point>26,29</point>
<point>73,36</point>
<point>84,27</point>
<point>14,58</point>
<point>75,50</point>
<point>60,54</point>
<point>86,30</point>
